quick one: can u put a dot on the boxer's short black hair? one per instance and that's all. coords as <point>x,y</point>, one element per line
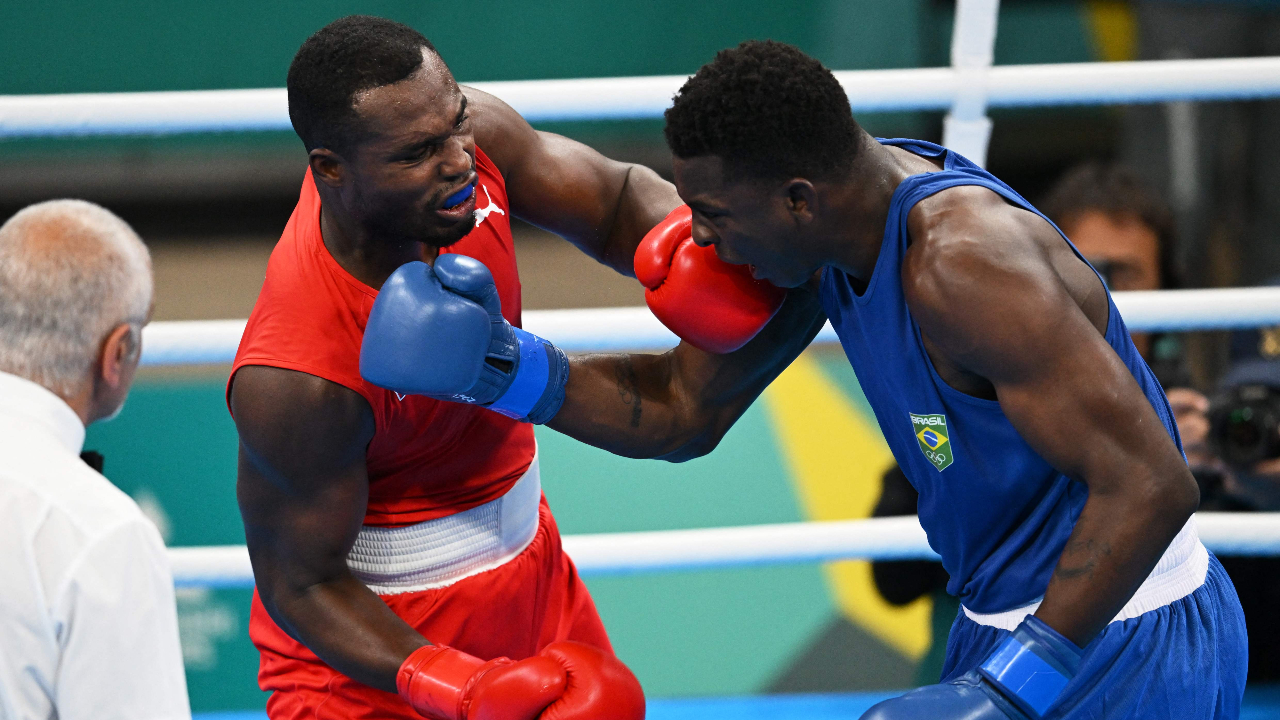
<point>346,57</point>
<point>766,109</point>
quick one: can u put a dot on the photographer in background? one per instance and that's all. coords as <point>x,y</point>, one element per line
<point>1126,233</point>
<point>1244,436</point>
<point>1233,449</point>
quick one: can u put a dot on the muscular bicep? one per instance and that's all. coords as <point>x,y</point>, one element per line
<point>600,205</point>
<point>301,482</point>
<point>1079,407</point>
<point>1005,315</point>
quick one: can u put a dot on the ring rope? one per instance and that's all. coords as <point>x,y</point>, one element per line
<point>1090,83</point>
<point>895,538</point>
<point>635,328</point>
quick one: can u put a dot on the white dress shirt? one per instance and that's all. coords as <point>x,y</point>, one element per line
<point>88,625</point>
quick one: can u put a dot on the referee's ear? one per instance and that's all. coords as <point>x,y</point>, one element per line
<point>116,367</point>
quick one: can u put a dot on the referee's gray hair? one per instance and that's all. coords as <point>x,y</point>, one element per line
<point>70,272</point>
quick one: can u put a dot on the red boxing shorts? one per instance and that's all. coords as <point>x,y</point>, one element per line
<point>513,610</point>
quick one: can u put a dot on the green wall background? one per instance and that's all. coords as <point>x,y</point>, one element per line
<point>64,46</point>
<point>129,45</point>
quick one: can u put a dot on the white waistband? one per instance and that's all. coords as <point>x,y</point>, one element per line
<point>1180,571</point>
<point>440,552</point>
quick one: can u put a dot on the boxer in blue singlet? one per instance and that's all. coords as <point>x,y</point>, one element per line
<point>1050,471</point>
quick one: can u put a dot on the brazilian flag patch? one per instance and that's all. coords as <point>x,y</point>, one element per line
<point>931,433</point>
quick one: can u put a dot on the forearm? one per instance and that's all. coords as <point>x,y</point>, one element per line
<point>643,201</point>
<point>1117,540</point>
<point>678,405</point>
<point>347,626</point>
<point>630,405</point>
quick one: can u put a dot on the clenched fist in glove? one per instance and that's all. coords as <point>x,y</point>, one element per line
<point>566,681</point>
<point>709,303</point>
<point>438,331</point>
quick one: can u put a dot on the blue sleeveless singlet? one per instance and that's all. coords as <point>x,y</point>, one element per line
<point>997,513</point>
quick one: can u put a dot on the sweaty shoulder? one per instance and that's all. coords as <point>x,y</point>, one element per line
<point>974,258</point>
<point>971,224</point>
<point>267,402</point>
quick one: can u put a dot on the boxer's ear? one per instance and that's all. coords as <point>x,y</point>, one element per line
<point>327,166</point>
<point>801,199</point>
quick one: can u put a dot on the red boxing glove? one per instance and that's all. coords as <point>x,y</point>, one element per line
<point>600,686</point>
<point>446,684</point>
<point>567,681</point>
<point>709,303</point>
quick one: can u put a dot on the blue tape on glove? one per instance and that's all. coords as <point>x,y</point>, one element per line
<point>1025,675</point>
<point>530,381</point>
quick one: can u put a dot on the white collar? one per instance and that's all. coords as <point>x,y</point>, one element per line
<point>24,399</point>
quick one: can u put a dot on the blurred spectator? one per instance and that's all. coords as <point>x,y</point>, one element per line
<point>1218,163</point>
<point>1119,225</point>
<point>88,626</point>
<point>1245,434</point>
<point>1126,232</point>
<point>1127,235</point>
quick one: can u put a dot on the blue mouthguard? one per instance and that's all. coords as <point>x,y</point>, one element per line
<point>459,196</point>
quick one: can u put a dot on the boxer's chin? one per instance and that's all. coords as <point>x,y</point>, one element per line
<point>452,235</point>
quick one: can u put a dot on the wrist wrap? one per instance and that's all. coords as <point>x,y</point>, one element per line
<point>537,387</point>
<point>1032,666</point>
<point>435,680</point>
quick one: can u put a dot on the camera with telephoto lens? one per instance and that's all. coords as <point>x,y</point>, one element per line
<point>1244,424</point>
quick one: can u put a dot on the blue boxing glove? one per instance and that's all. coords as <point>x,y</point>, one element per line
<point>439,331</point>
<point>1020,680</point>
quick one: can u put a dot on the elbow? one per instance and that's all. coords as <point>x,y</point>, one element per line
<point>697,446</point>
<point>1186,494</point>
<point>685,453</point>
<point>276,604</point>
<point>1176,498</point>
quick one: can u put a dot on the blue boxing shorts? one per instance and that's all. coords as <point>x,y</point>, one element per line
<point>1183,658</point>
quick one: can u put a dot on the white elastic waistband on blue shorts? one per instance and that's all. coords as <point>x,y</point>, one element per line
<point>438,553</point>
<point>1180,572</point>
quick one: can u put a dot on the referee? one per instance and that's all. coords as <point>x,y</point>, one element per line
<point>88,627</point>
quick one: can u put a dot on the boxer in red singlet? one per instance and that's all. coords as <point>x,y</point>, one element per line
<point>401,543</point>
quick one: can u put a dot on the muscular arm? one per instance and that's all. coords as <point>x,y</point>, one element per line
<point>600,205</point>
<point>995,302</point>
<point>678,405</point>
<point>302,490</point>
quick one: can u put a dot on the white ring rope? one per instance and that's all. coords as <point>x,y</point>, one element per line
<point>647,97</point>
<point>613,329</point>
<point>897,538</point>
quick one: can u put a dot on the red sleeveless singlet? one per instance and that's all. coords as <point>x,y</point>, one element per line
<point>428,458</point>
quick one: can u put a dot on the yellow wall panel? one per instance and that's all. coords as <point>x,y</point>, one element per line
<point>837,456</point>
